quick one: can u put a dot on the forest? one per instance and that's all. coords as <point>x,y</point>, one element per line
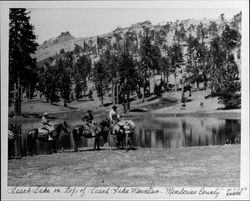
<point>127,61</point>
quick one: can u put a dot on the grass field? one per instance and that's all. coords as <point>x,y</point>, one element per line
<point>195,166</point>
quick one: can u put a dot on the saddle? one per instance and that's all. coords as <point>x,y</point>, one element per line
<point>11,135</point>
<point>127,125</point>
<point>88,130</point>
<point>42,131</point>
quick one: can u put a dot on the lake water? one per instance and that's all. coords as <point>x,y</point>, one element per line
<point>158,132</point>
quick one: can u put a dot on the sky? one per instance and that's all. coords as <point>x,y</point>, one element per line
<point>85,22</point>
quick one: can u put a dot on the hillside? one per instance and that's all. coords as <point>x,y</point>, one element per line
<point>163,35</point>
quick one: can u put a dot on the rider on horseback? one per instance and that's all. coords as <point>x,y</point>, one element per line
<point>114,117</point>
<point>47,125</point>
<point>88,120</point>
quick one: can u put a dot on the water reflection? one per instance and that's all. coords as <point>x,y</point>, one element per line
<point>156,132</point>
<point>172,132</point>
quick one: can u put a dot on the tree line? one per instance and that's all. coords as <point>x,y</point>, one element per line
<point>120,71</point>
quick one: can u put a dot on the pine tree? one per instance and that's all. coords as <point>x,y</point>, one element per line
<point>100,79</point>
<point>150,60</point>
<point>224,74</point>
<point>48,82</point>
<point>166,69</point>
<point>128,76</point>
<point>22,43</point>
<point>63,79</point>
<point>175,54</point>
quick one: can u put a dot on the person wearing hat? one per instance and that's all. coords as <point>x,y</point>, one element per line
<point>114,116</point>
<point>46,123</point>
<point>88,119</point>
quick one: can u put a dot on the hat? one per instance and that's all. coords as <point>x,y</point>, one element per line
<point>114,107</point>
<point>45,114</point>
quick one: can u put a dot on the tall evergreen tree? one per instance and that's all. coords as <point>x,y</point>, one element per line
<point>63,79</point>
<point>22,43</point>
<point>150,60</point>
<point>81,72</point>
<point>48,82</point>
<point>175,53</point>
<point>224,74</point>
<point>100,77</point>
<point>128,76</point>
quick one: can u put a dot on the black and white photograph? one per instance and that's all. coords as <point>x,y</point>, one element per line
<point>125,100</point>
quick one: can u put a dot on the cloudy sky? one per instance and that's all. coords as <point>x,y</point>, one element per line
<point>84,22</point>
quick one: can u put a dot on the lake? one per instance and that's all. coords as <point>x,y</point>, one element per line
<point>154,131</point>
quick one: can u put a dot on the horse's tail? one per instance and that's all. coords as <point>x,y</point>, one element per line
<point>31,136</point>
<point>76,135</point>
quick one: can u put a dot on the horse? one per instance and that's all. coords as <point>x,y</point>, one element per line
<point>124,130</point>
<point>36,134</point>
<point>12,132</point>
<point>12,137</point>
<point>95,130</point>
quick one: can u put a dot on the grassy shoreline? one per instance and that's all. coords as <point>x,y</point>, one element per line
<point>167,105</point>
<point>187,166</point>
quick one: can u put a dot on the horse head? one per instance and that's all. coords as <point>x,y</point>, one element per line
<point>59,128</point>
<point>106,124</point>
<point>66,128</point>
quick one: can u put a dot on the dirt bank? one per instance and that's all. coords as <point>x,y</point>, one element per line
<point>195,166</point>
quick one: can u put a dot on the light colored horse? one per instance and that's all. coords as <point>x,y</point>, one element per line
<point>124,130</point>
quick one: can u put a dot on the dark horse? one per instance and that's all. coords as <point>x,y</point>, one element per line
<point>12,137</point>
<point>94,131</point>
<point>34,135</point>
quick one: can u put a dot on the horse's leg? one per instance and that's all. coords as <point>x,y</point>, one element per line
<point>49,151</point>
<point>117,141</point>
<point>105,139</point>
<point>130,140</point>
<point>54,146</point>
<point>76,145</point>
<point>35,149</point>
<point>9,148</point>
<point>126,141</point>
<point>97,145</point>
<point>122,140</point>
<point>33,145</point>
<point>32,142</point>
<point>75,138</point>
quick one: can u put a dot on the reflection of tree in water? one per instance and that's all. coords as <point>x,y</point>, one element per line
<point>214,134</point>
<point>191,131</point>
<point>159,138</point>
<point>232,130</point>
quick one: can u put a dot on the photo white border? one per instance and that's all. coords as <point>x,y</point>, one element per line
<point>233,4</point>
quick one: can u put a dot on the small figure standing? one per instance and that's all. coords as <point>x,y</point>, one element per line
<point>202,104</point>
<point>90,94</point>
